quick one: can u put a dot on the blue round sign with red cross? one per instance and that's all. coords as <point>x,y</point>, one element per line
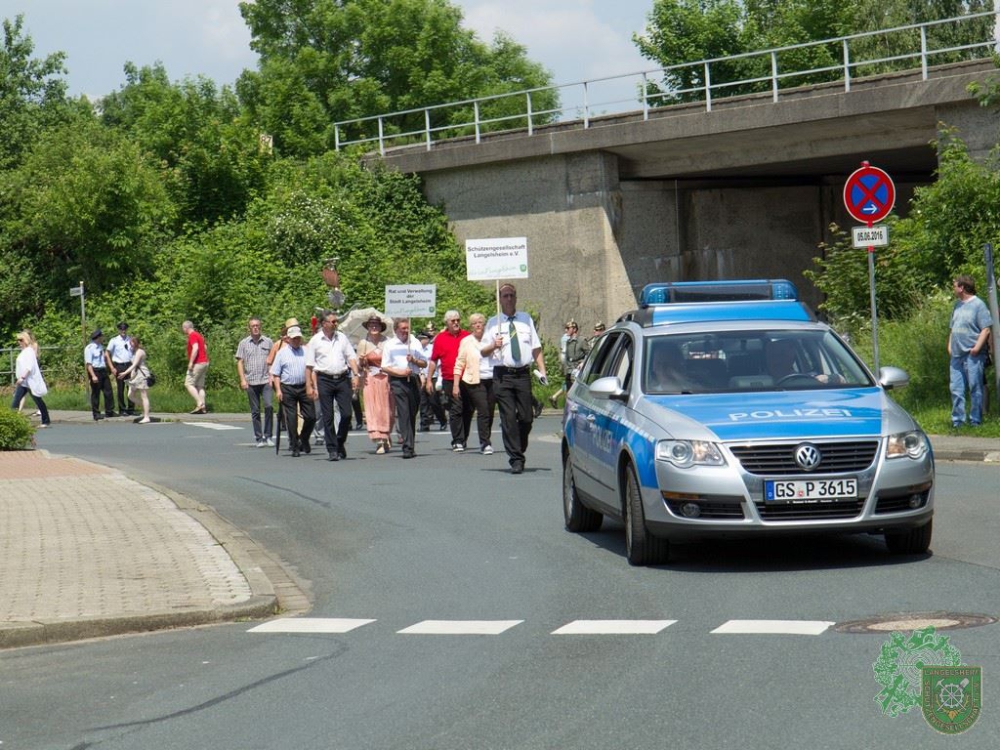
<point>869,194</point>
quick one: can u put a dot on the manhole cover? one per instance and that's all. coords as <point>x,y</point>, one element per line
<point>907,621</point>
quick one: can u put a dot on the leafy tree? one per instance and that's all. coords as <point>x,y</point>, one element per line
<point>343,59</point>
<point>214,155</point>
<point>687,31</point>
<point>32,95</point>
<point>87,204</point>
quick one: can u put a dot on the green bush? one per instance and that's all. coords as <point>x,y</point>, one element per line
<point>16,432</point>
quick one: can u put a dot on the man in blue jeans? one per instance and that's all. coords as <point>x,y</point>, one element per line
<point>967,342</point>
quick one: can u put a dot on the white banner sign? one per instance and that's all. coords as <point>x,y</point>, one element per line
<point>497,258</point>
<point>411,301</point>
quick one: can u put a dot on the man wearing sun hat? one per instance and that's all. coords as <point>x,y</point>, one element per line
<point>291,386</point>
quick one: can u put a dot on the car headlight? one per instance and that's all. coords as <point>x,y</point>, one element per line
<point>687,453</point>
<point>909,444</point>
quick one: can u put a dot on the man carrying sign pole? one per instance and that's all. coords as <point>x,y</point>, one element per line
<point>518,345</point>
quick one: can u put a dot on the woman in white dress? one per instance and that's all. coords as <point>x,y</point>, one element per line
<point>137,374</point>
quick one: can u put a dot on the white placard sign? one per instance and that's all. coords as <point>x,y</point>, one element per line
<point>411,301</point>
<point>497,258</point>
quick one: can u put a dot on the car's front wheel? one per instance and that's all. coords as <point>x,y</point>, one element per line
<point>912,541</point>
<point>578,516</point>
<point>641,547</point>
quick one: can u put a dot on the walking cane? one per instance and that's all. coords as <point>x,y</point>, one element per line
<point>281,424</point>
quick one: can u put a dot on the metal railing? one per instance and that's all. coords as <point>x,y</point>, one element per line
<point>842,59</point>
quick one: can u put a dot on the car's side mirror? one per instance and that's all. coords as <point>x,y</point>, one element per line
<point>893,377</point>
<point>609,387</point>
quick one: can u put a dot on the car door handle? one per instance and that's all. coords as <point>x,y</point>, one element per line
<point>591,418</point>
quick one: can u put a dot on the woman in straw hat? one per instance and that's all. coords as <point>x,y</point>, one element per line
<point>379,412</point>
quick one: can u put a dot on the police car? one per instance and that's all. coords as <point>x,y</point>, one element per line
<point>726,409</point>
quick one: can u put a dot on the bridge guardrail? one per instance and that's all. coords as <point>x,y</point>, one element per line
<point>842,59</point>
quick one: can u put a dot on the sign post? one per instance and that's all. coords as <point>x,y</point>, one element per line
<point>991,294</point>
<point>869,195</point>
<point>77,291</point>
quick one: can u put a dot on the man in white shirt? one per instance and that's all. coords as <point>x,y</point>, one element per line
<point>402,358</point>
<point>518,344</point>
<point>332,365</point>
<point>120,352</point>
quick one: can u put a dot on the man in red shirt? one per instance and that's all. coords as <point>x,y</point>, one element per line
<point>197,369</point>
<point>445,352</point>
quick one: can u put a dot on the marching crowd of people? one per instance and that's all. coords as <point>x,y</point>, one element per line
<point>408,381</point>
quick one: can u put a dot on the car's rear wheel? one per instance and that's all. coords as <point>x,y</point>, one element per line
<point>578,516</point>
<point>912,541</point>
<point>641,547</point>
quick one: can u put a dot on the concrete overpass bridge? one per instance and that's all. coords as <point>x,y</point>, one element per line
<point>742,186</point>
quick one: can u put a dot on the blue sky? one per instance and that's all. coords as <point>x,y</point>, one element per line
<point>575,39</point>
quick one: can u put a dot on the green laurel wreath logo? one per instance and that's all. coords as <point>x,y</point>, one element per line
<point>898,667</point>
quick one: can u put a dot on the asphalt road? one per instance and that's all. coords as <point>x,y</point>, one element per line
<point>449,539</point>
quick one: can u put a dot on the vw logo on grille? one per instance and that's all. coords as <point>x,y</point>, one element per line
<point>808,456</point>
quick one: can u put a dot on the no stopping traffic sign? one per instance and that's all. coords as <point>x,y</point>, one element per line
<point>869,194</point>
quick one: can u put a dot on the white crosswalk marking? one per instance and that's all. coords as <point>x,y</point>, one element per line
<point>212,426</point>
<point>460,627</point>
<point>310,625</point>
<point>614,627</point>
<point>775,627</point>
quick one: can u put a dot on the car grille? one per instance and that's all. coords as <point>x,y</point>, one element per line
<point>710,509</point>
<point>778,459</point>
<point>899,502</point>
<point>809,511</point>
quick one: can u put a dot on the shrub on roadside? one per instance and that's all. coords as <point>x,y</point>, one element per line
<point>16,432</point>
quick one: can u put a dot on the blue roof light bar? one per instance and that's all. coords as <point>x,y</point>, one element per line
<point>717,291</point>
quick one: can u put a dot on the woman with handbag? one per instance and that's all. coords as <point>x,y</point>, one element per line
<point>138,375</point>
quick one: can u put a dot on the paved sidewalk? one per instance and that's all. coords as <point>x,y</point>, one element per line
<point>86,551</point>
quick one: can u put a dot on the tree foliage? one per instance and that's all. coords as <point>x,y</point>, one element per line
<point>32,95</point>
<point>213,154</point>
<point>323,61</point>
<point>688,31</point>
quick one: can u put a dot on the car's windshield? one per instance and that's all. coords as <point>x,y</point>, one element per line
<point>762,360</point>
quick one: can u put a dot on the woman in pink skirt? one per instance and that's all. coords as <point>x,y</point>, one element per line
<point>379,416</point>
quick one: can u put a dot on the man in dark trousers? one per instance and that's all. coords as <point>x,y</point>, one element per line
<point>445,351</point>
<point>98,363</point>
<point>120,351</point>
<point>332,365</point>
<point>402,358</point>
<point>519,346</point>
<point>289,371</point>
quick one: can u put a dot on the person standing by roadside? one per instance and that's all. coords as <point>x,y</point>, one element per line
<point>120,352</point>
<point>474,373</point>
<point>291,386</point>
<point>29,378</point>
<point>967,349</point>
<point>137,373</point>
<point>332,368</point>
<point>97,362</point>
<point>378,399</point>
<point>197,367</point>
<point>574,349</point>
<point>33,343</point>
<point>517,341</point>
<point>402,358</point>
<point>251,363</point>
<point>444,351</point>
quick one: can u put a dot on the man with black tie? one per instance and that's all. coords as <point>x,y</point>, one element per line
<point>518,345</point>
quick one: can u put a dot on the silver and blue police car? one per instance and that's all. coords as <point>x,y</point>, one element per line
<point>723,409</point>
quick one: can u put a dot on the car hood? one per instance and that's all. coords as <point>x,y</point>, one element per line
<point>776,414</point>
